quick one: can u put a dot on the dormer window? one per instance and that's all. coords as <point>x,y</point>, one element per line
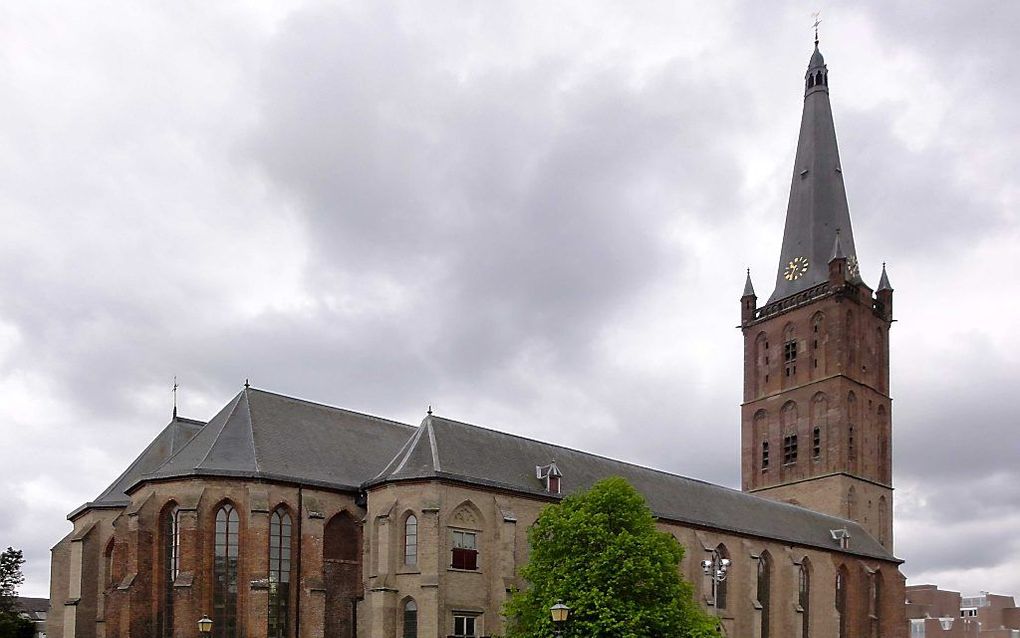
<point>550,475</point>
<point>842,537</point>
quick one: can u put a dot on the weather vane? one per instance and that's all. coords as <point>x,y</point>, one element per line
<point>818,20</point>
<point>175,395</point>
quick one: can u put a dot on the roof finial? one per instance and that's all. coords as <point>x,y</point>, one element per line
<point>430,410</point>
<point>818,21</point>
<point>246,384</point>
<point>174,390</point>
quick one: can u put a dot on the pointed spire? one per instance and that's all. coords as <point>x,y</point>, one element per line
<point>883,282</point>
<point>837,249</point>
<point>748,287</point>
<point>818,204</point>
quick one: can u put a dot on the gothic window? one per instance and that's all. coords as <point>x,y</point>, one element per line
<point>810,81</point>
<point>883,520</point>
<point>225,563</point>
<point>764,455</point>
<point>841,585</point>
<point>279,572</point>
<point>110,564</point>
<point>789,449</point>
<point>171,555</point>
<point>410,619</point>
<point>789,352</point>
<point>816,442</point>
<point>761,360</point>
<point>851,447</point>
<point>719,587</point>
<point>764,592</point>
<point>465,550</point>
<point>411,540</point>
<point>340,541</point>
<point>804,597</point>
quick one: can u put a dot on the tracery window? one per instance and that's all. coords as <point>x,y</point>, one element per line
<point>411,540</point>
<point>171,555</point>
<point>410,619</point>
<point>225,561</point>
<point>804,597</point>
<point>841,584</point>
<point>279,572</point>
<point>764,592</point>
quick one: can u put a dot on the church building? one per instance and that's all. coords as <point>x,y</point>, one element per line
<point>283,518</point>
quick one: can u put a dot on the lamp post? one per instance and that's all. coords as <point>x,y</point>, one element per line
<point>716,568</point>
<point>204,625</point>
<point>559,612</point>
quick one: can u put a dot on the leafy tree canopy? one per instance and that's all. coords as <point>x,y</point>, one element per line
<point>12,625</point>
<point>600,553</point>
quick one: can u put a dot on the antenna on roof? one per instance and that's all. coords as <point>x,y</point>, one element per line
<point>818,21</point>
<point>174,390</point>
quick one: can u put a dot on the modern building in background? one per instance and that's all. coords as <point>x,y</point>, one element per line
<point>35,609</point>
<point>938,613</point>
<point>283,518</point>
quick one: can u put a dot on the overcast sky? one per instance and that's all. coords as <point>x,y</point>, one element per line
<point>534,216</point>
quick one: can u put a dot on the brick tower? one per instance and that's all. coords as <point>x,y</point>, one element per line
<point>816,416</point>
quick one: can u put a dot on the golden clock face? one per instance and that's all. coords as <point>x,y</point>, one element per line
<point>796,269</point>
<point>852,266</point>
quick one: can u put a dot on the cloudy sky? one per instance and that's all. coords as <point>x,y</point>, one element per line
<point>534,216</point>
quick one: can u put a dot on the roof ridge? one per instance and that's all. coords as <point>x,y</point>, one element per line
<point>251,429</point>
<point>226,420</point>
<point>331,407</point>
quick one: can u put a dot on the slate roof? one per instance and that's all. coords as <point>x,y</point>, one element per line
<point>169,441</point>
<point>260,434</point>
<point>818,204</point>
<point>447,449</point>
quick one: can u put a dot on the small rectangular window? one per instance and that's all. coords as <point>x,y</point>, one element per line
<point>464,626</point>
<point>816,443</point>
<point>789,449</point>
<point>465,550</point>
<point>790,357</point>
<point>764,455</point>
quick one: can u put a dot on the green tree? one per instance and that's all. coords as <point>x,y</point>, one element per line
<point>600,553</point>
<point>12,624</point>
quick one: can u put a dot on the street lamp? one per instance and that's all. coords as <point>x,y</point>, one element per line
<point>716,569</point>
<point>559,613</point>
<point>205,625</point>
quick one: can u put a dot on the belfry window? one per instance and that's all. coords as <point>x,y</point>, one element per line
<point>790,357</point>
<point>764,455</point>
<point>279,573</point>
<point>789,449</point>
<point>225,562</point>
<point>816,442</point>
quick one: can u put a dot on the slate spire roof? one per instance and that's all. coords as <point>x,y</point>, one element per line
<point>818,204</point>
<point>883,282</point>
<point>748,286</point>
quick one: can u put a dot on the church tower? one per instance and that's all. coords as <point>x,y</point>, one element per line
<point>816,416</point>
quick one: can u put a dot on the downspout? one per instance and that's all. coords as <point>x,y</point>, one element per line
<point>297,605</point>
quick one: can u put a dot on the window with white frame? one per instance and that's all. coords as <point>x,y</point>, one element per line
<point>465,550</point>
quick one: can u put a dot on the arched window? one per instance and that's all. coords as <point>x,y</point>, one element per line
<point>279,572</point>
<point>841,585</point>
<point>789,353</point>
<point>764,591</point>
<point>804,597</point>
<point>788,418</point>
<point>761,361</point>
<point>810,81</point>
<point>411,540</point>
<point>341,553</point>
<point>171,555</point>
<point>225,581</point>
<point>108,555</point>
<point>851,443</point>
<point>719,587</point>
<point>410,619</point>
<point>817,344</point>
